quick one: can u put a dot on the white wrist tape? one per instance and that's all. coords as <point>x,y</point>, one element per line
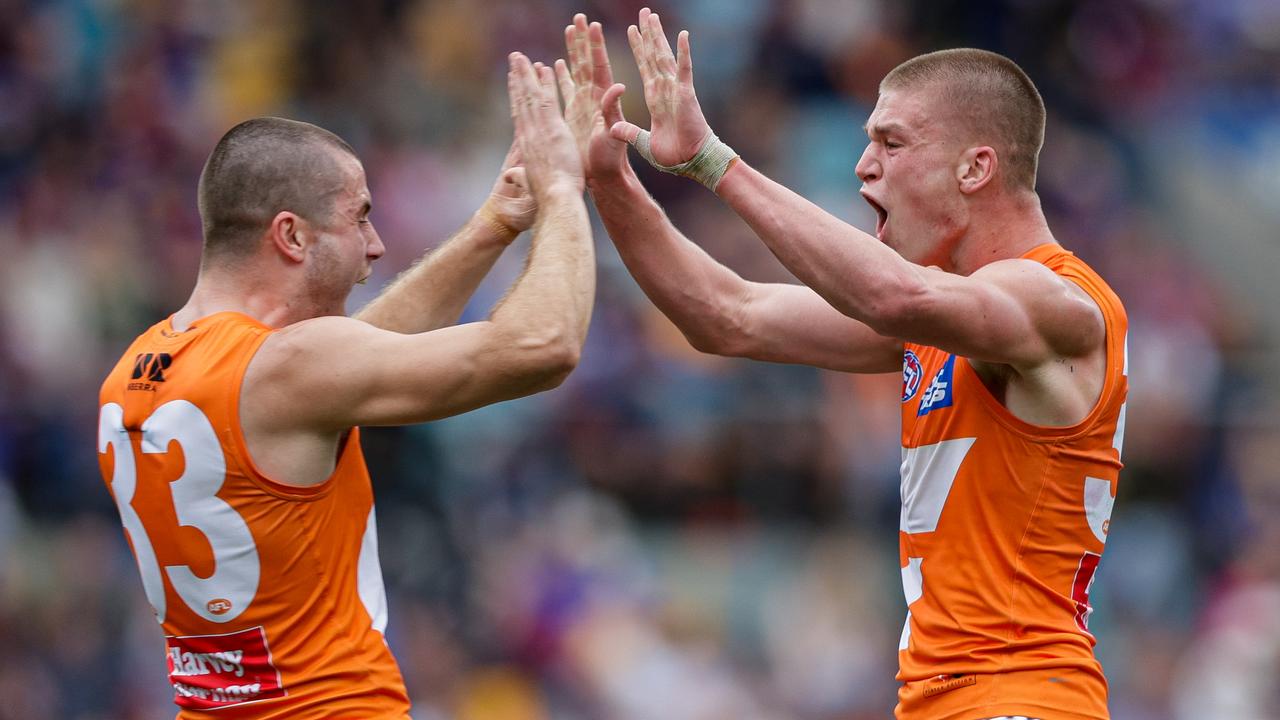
<point>707,166</point>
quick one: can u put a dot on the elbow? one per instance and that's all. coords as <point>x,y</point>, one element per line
<point>559,364</point>
<point>705,342</point>
<point>551,358</point>
<point>895,310</point>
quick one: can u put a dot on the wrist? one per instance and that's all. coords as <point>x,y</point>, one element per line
<point>708,165</point>
<point>560,190</point>
<point>489,225</point>
<point>612,181</point>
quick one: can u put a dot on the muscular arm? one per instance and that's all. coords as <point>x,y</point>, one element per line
<point>313,380</point>
<point>1013,312</point>
<point>720,312</point>
<point>332,373</point>
<point>717,310</point>
<point>432,293</point>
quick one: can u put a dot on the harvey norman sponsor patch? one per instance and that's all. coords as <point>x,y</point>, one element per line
<point>216,671</point>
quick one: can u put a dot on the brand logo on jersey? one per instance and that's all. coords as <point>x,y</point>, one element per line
<point>938,395</point>
<point>209,672</point>
<point>151,366</point>
<point>148,369</point>
<point>219,606</point>
<point>911,374</point>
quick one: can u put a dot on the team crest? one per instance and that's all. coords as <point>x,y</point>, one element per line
<point>911,374</point>
<point>938,395</point>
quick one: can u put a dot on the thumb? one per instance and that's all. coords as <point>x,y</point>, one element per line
<point>513,183</point>
<point>515,176</point>
<point>624,131</point>
<point>611,105</point>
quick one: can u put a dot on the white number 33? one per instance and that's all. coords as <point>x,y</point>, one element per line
<point>226,593</point>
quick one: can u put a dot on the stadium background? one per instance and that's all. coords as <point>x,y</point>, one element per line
<point>666,535</point>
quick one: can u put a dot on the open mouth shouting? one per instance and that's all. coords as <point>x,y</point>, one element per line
<point>882,215</point>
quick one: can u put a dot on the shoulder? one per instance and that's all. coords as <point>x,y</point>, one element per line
<point>1065,314</point>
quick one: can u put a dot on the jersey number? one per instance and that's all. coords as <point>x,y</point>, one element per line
<point>226,593</point>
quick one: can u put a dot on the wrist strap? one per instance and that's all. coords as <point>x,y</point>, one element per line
<point>707,166</point>
<point>490,218</point>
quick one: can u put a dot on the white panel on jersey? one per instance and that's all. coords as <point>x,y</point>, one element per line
<point>124,482</point>
<point>1097,506</point>
<point>225,594</point>
<point>913,590</point>
<point>927,474</point>
<point>1117,441</point>
<point>369,576</point>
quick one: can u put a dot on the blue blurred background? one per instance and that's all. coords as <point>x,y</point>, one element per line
<point>668,534</point>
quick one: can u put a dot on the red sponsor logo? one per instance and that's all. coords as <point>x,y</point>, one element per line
<point>219,606</point>
<point>217,671</point>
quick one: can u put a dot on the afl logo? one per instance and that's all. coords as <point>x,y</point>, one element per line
<point>219,606</point>
<point>912,372</point>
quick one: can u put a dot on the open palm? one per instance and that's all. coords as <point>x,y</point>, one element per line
<point>679,128</point>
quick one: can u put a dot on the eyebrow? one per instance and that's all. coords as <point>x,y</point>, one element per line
<point>885,129</point>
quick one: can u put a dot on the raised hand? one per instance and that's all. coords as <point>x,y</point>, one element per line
<point>510,204</point>
<point>592,99</point>
<point>547,147</point>
<point>679,128</point>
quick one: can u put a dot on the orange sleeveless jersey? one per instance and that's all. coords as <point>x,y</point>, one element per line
<point>1002,526</point>
<point>270,596</point>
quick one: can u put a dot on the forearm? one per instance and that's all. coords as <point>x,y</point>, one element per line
<point>853,271</point>
<point>433,292</point>
<point>701,296</point>
<point>552,300</point>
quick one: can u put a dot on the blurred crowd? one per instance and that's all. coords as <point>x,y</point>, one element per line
<point>668,535</point>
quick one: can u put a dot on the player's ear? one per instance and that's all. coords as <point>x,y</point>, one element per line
<point>288,234</point>
<point>976,168</point>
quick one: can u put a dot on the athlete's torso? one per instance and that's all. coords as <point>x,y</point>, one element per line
<point>270,596</point>
<point>1002,527</point>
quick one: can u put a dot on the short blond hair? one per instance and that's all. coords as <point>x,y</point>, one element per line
<point>996,96</point>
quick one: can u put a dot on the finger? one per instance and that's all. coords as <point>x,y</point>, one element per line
<point>646,42</point>
<point>515,93</point>
<point>516,178</point>
<point>637,49</point>
<point>663,58</point>
<point>547,87</point>
<point>513,156</point>
<point>602,73</point>
<point>527,94</point>
<point>611,104</point>
<point>624,131</point>
<point>570,34</point>
<point>582,68</point>
<point>684,60</point>
<point>547,78</point>
<point>562,76</point>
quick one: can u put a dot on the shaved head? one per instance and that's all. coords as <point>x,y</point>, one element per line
<point>259,168</point>
<point>995,100</point>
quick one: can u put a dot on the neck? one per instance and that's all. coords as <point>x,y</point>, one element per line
<point>270,301</point>
<point>1010,226</point>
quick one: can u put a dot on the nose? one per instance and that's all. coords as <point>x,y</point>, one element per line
<point>868,167</point>
<point>375,249</point>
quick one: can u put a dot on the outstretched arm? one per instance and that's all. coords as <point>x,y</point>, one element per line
<point>716,309</point>
<point>432,293</point>
<point>1012,312</point>
<point>328,374</point>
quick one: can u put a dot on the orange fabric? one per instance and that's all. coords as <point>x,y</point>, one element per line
<point>270,596</point>
<point>1002,525</point>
